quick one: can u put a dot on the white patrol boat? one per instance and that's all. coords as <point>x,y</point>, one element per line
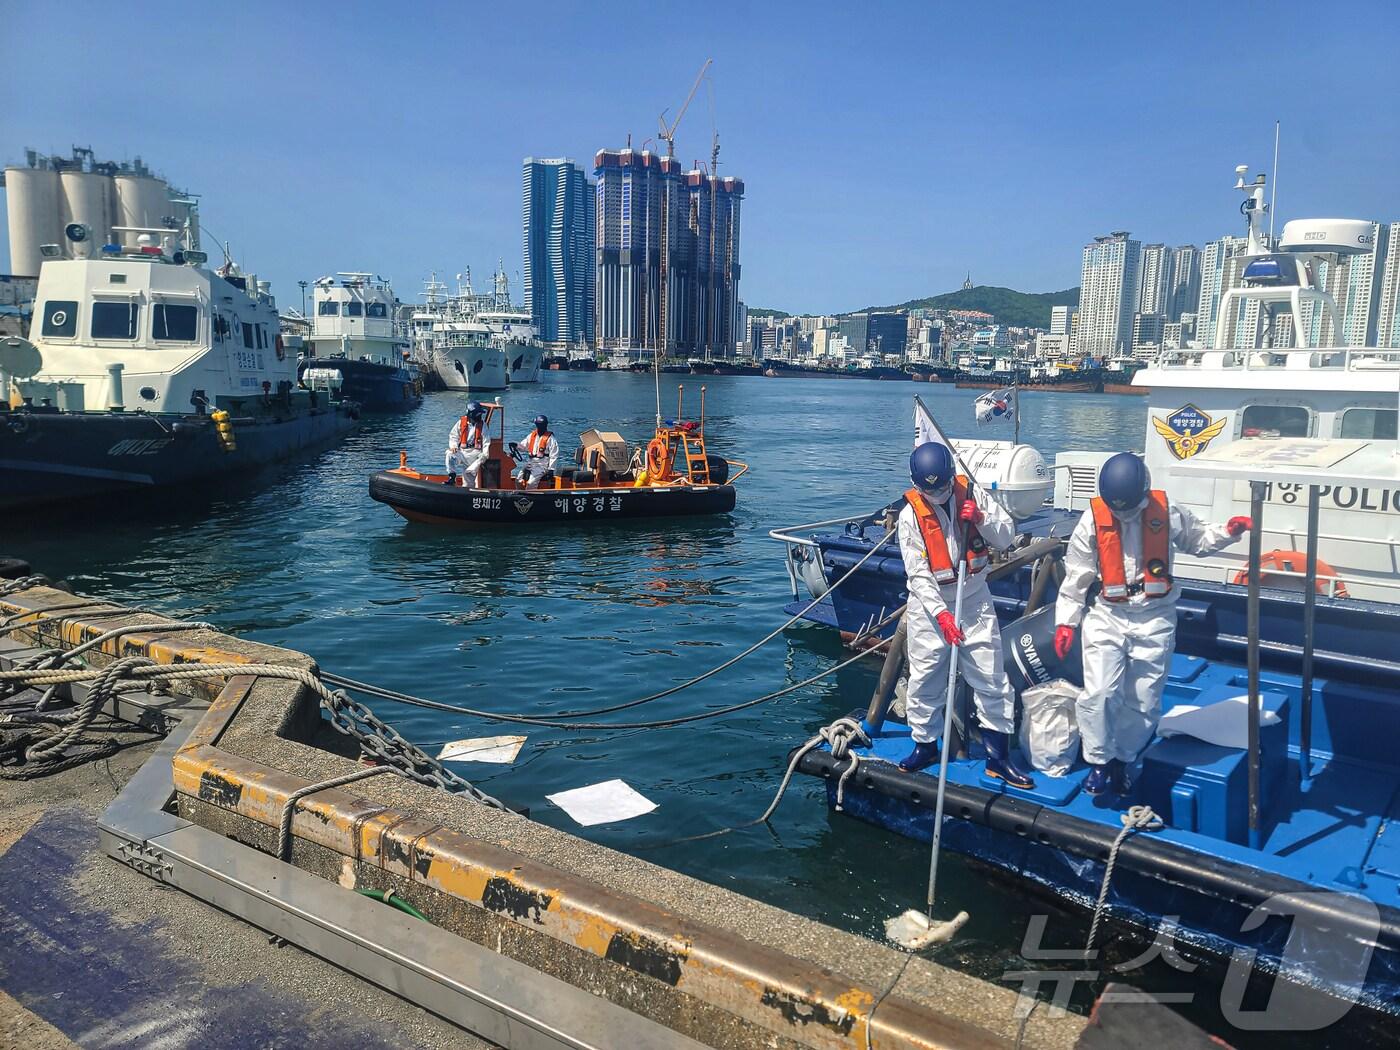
<point>513,330</point>
<point>144,368</point>
<point>1277,367</point>
<point>465,352</point>
<point>356,349</point>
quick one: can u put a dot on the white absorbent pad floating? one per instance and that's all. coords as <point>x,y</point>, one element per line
<point>602,803</point>
<point>1224,723</point>
<point>499,749</point>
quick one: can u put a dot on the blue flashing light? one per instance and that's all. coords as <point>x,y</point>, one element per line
<point>111,249</point>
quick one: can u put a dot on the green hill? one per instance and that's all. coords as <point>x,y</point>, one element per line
<point>1010,307</point>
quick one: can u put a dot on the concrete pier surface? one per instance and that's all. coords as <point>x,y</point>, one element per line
<point>629,953</point>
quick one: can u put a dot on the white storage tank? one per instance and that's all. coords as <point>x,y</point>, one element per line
<point>1016,476</point>
<point>142,200</point>
<point>88,199</point>
<point>34,205</point>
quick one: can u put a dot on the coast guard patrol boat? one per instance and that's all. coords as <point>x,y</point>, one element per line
<point>1277,419</point>
<point>355,349</point>
<point>146,369</point>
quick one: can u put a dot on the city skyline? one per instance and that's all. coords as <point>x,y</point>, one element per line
<point>1003,189</point>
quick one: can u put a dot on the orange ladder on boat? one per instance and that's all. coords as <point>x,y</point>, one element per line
<point>697,464</point>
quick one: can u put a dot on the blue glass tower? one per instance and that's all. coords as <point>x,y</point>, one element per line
<point>559,256</point>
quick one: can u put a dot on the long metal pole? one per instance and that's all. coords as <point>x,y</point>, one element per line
<point>1256,545</point>
<point>1309,619</point>
<point>947,737</point>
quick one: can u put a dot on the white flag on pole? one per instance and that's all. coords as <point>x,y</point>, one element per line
<point>996,405</point>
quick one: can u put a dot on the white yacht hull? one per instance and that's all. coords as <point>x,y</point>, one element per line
<point>524,361</point>
<point>471,368</point>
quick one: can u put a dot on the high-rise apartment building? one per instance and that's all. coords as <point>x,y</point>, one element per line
<point>643,200</point>
<point>1154,279</point>
<point>559,226</point>
<point>1185,285</point>
<point>1220,271</point>
<point>1108,290</point>
<point>1060,320</point>
<point>1388,307</point>
<point>1365,288</point>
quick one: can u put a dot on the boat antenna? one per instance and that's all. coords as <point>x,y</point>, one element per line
<point>1273,190</point>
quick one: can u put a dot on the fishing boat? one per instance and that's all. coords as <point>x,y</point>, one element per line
<point>1301,438</point>
<point>145,370</point>
<point>355,349</point>
<point>673,474</point>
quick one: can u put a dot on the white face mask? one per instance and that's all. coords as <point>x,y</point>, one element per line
<point>939,495</point>
<point>1132,513</point>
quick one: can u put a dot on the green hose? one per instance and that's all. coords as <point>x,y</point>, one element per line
<point>387,897</point>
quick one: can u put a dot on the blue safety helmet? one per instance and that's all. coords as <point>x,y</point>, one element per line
<point>541,423</point>
<point>1124,482</point>
<point>931,468</point>
<point>475,411</point>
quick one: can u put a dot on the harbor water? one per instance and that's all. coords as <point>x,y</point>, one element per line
<point>554,619</point>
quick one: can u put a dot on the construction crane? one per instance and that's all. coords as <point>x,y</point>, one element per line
<point>668,135</point>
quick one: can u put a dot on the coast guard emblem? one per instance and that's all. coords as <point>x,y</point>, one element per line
<point>1188,430</point>
<point>522,505</point>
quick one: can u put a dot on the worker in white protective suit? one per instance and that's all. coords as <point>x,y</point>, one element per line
<point>467,447</point>
<point>1124,543</point>
<point>946,519</point>
<point>540,455</point>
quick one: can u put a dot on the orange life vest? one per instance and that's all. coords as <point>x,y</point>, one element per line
<point>536,443</point>
<point>936,545</point>
<point>1156,550</point>
<point>463,432</point>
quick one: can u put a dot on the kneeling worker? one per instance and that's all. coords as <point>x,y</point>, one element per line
<point>466,447</point>
<point>939,512</point>
<point>541,454</point>
<point>1124,542</point>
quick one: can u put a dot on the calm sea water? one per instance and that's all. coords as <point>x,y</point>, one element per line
<point>555,619</point>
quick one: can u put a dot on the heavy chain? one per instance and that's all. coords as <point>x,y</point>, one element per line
<point>384,743</point>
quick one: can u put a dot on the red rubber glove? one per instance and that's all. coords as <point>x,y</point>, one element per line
<point>970,513</point>
<point>1064,640</point>
<point>1240,525</point>
<point>952,633</point>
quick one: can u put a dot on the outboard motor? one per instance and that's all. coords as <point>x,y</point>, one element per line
<point>1028,646</point>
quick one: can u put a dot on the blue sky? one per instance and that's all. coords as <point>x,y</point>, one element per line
<point>887,148</point>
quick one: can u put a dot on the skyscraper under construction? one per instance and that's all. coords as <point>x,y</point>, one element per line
<point>645,200</point>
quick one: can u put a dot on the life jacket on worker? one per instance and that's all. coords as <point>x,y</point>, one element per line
<point>1156,581</point>
<point>464,434</point>
<point>937,545</point>
<point>536,443</point>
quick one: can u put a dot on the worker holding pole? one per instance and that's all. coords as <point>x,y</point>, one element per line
<point>946,520</point>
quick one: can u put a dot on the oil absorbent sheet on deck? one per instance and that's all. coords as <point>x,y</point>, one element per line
<point>602,803</point>
<point>1224,723</point>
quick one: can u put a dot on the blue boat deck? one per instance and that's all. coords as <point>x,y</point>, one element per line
<point>1328,831</point>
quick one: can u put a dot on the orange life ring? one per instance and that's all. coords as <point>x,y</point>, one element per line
<point>658,459</point>
<point>1286,561</point>
<point>281,350</point>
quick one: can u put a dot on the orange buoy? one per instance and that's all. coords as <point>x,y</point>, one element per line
<point>1277,562</point>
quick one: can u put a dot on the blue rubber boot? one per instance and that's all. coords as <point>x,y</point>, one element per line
<point>923,756</point>
<point>1100,781</point>
<point>1118,770</point>
<point>1000,764</point>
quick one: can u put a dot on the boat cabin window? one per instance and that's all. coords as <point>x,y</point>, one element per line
<point>354,308</point>
<point>376,310</point>
<point>260,332</point>
<point>328,308</point>
<point>115,320</point>
<point>61,317</point>
<point>247,335</point>
<point>174,323</point>
<point>1376,424</point>
<point>1275,421</point>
